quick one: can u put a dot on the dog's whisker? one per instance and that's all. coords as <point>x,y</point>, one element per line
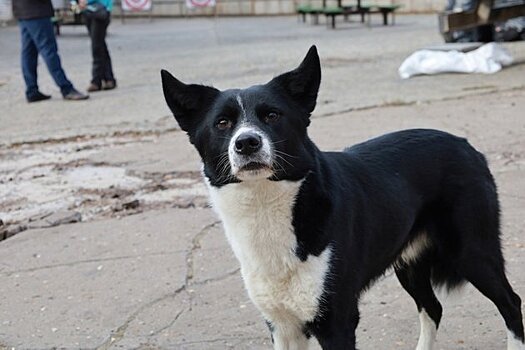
<point>276,142</point>
<point>225,153</point>
<point>281,157</point>
<point>286,154</point>
<point>276,162</point>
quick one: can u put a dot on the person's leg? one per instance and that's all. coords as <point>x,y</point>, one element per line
<point>98,50</point>
<point>108,70</point>
<point>29,59</point>
<point>44,37</point>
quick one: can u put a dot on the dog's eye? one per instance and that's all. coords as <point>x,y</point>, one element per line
<point>223,124</point>
<point>270,117</point>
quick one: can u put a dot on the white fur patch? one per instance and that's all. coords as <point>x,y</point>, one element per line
<point>239,101</point>
<point>257,217</point>
<point>415,248</point>
<point>290,337</point>
<point>427,333</point>
<point>513,343</point>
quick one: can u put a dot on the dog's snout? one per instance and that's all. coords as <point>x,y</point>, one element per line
<point>248,143</point>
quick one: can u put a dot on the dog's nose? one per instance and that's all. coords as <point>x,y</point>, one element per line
<point>248,143</point>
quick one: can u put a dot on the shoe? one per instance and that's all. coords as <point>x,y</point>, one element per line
<point>109,84</point>
<point>75,95</point>
<point>93,87</point>
<point>38,96</point>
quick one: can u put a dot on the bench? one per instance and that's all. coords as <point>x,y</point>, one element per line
<point>384,10</point>
<point>332,12</point>
<point>367,9</point>
<point>313,11</point>
<point>65,16</point>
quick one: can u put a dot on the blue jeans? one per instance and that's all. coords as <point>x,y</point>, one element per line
<point>38,37</point>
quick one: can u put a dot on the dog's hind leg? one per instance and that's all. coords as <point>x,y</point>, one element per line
<point>415,279</point>
<point>475,221</point>
<point>487,274</point>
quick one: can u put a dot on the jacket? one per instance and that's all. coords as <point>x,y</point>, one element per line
<point>31,9</point>
<point>107,3</point>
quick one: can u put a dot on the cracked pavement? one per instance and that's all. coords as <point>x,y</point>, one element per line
<point>148,266</point>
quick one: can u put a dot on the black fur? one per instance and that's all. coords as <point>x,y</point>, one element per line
<point>367,202</point>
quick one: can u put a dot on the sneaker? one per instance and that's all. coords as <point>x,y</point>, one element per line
<point>93,87</point>
<point>38,96</point>
<point>109,84</point>
<point>75,95</point>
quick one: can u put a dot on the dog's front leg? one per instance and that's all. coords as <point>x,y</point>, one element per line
<point>289,337</point>
<point>338,330</point>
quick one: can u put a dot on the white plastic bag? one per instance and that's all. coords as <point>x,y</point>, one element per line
<point>489,58</point>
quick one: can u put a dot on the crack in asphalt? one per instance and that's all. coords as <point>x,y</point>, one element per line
<point>87,261</point>
<point>219,278</point>
<point>411,103</point>
<point>160,330</point>
<point>87,137</point>
<point>120,332</point>
<point>195,245</point>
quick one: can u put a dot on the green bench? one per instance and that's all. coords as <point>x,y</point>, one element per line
<point>367,9</point>
<point>384,10</point>
<point>313,11</point>
<point>332,12</point>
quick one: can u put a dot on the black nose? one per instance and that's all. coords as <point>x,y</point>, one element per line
<point>248,143</point>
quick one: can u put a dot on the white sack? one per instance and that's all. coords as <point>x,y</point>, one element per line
<point>489,58</point>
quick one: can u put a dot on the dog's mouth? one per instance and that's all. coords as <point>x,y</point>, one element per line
<point>253,171</point>
<point>252,166</point>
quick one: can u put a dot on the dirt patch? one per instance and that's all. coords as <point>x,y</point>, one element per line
<point>59,178</point>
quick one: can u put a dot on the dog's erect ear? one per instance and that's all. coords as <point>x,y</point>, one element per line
<point>302,84</point>
<point>186,101</point>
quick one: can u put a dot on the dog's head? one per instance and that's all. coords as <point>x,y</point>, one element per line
<point>254,133</point>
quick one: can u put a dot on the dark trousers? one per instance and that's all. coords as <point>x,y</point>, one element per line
<point>102,69</point>
<point>38,37</point>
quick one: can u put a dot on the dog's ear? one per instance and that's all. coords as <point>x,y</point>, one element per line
<point>187,102</point>
<point>302,83</point>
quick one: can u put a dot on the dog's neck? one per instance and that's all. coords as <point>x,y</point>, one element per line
<point>257,217</point>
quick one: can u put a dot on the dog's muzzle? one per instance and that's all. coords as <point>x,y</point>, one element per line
<point>250,154</point>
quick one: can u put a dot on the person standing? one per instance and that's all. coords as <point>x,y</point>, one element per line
<point>98,16</point>
<point>38,37</point>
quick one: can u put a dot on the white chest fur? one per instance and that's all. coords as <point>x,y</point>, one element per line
<point>257,217</point>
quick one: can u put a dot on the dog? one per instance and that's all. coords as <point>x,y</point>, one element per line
<point>312,230</point>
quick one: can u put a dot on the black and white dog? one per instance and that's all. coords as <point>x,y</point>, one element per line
<point>312,230</point>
